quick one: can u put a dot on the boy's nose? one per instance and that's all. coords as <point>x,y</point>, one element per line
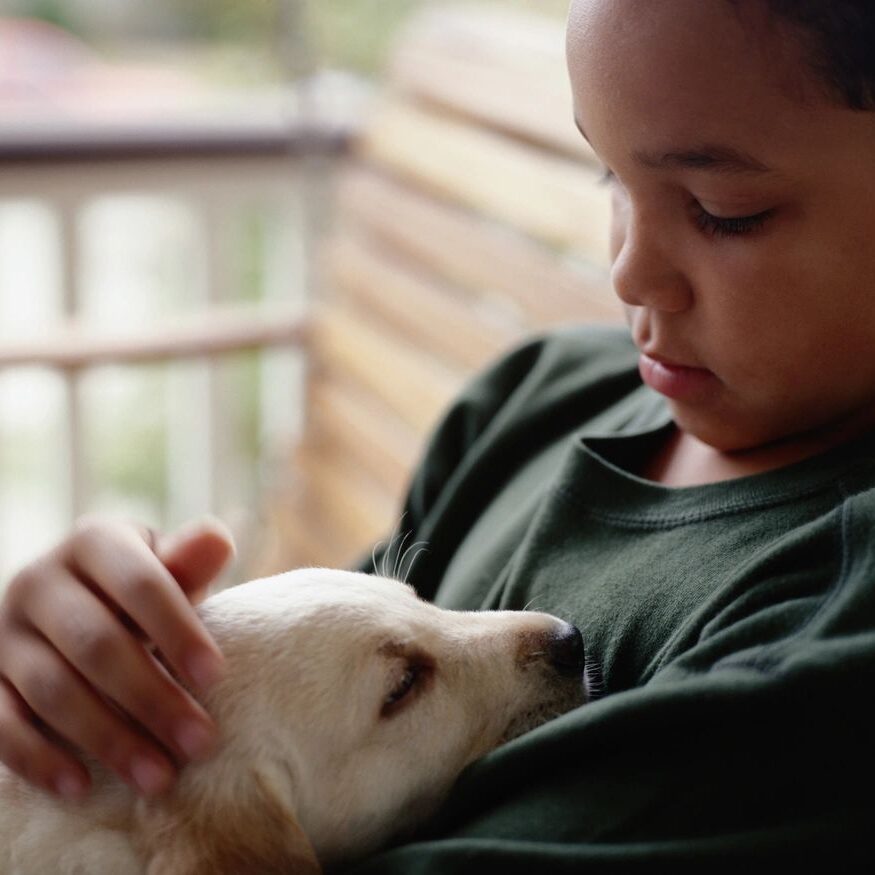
<point>643,273</point>
<point>565,651</point>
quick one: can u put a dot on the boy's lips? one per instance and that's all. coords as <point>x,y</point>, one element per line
<point>675,381</point>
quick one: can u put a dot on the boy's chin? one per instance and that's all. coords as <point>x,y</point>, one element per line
<point>765,440</point>
<point>730,435</point>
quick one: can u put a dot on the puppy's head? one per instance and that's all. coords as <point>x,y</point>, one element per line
<point>350,705</point>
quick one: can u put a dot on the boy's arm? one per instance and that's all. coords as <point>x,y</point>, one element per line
<point>754,745</point>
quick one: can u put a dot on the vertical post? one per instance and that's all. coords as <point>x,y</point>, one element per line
<point>77,479</point>
<point>221,215</point>
<point>197,463</point>
<point>294,46</point>
<point>282,371</point>
<point>289,258</point>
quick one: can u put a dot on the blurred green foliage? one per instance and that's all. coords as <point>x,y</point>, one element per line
<point>127,447</point>
<point>356,34</point>
<point>227,20</point>
<point>54,11</point>
<point>352,34</point>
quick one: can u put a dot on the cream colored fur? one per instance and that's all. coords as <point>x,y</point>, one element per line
<point>314,766</point>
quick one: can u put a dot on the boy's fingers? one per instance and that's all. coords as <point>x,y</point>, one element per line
<point>195,553</point>
<point>86,636</point>
<point>123,567</point>
<point>28,753</point>
<point>65,704</point>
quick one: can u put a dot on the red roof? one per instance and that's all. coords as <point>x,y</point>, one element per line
<point>45,70</point>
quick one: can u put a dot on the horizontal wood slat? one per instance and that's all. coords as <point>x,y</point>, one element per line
<point>553,199</point>
<point>476,254</point>
<point>410,382</point>
<point>431,316</point>
<point>290,537</point>
<point>356,426</point>
<point>295,533</point>
<point>346,499</point>
<point>339,490</point>
<point>220,330</point>
<point>507,72</point>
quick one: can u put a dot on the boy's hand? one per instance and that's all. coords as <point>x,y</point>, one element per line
<point>80,629</point>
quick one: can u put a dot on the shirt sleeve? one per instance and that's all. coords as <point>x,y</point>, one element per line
<point>752,745</point>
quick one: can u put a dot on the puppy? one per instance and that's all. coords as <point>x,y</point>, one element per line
<point>348,708</point>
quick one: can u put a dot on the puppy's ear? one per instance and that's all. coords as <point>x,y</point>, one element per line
<point>258,837</point>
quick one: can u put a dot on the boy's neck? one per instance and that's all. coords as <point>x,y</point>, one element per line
<point>683,460</point>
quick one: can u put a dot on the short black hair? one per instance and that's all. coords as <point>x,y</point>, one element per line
<point>839,38</point>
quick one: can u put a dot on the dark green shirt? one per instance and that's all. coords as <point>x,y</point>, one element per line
<point>732,624</point>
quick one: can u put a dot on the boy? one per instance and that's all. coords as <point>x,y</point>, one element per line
<point>698,498</point>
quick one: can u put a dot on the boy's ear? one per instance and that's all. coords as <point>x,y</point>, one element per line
<point>255,837</point>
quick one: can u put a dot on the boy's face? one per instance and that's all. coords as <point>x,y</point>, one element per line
<point>761,274</point>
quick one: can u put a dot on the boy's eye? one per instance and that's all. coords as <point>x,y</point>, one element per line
<point>714,226</point>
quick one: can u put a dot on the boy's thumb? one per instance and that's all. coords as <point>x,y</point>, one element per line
<point>195,553</point>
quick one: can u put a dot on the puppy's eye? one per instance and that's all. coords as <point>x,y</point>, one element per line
<point>403,689</point>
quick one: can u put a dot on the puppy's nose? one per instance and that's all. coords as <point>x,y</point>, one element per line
<point>565,651</point>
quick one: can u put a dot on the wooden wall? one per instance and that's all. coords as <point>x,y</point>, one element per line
<point>469,215</point>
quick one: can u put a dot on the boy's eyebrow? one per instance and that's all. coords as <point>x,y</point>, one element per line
<point>718,159</point>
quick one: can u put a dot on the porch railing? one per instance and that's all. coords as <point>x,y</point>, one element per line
<point>283,164</point>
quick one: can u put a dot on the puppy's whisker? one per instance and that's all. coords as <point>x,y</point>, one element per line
<point>384,566</point>
<point>415,559</point>
<point>382,569</point>
<point>423,546</point>
<point>594,677</point>
<point>374,555</point>
<point>530,603</point>
<point>410,547</point>
<point>398,558</point>
<point>396,531</point>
